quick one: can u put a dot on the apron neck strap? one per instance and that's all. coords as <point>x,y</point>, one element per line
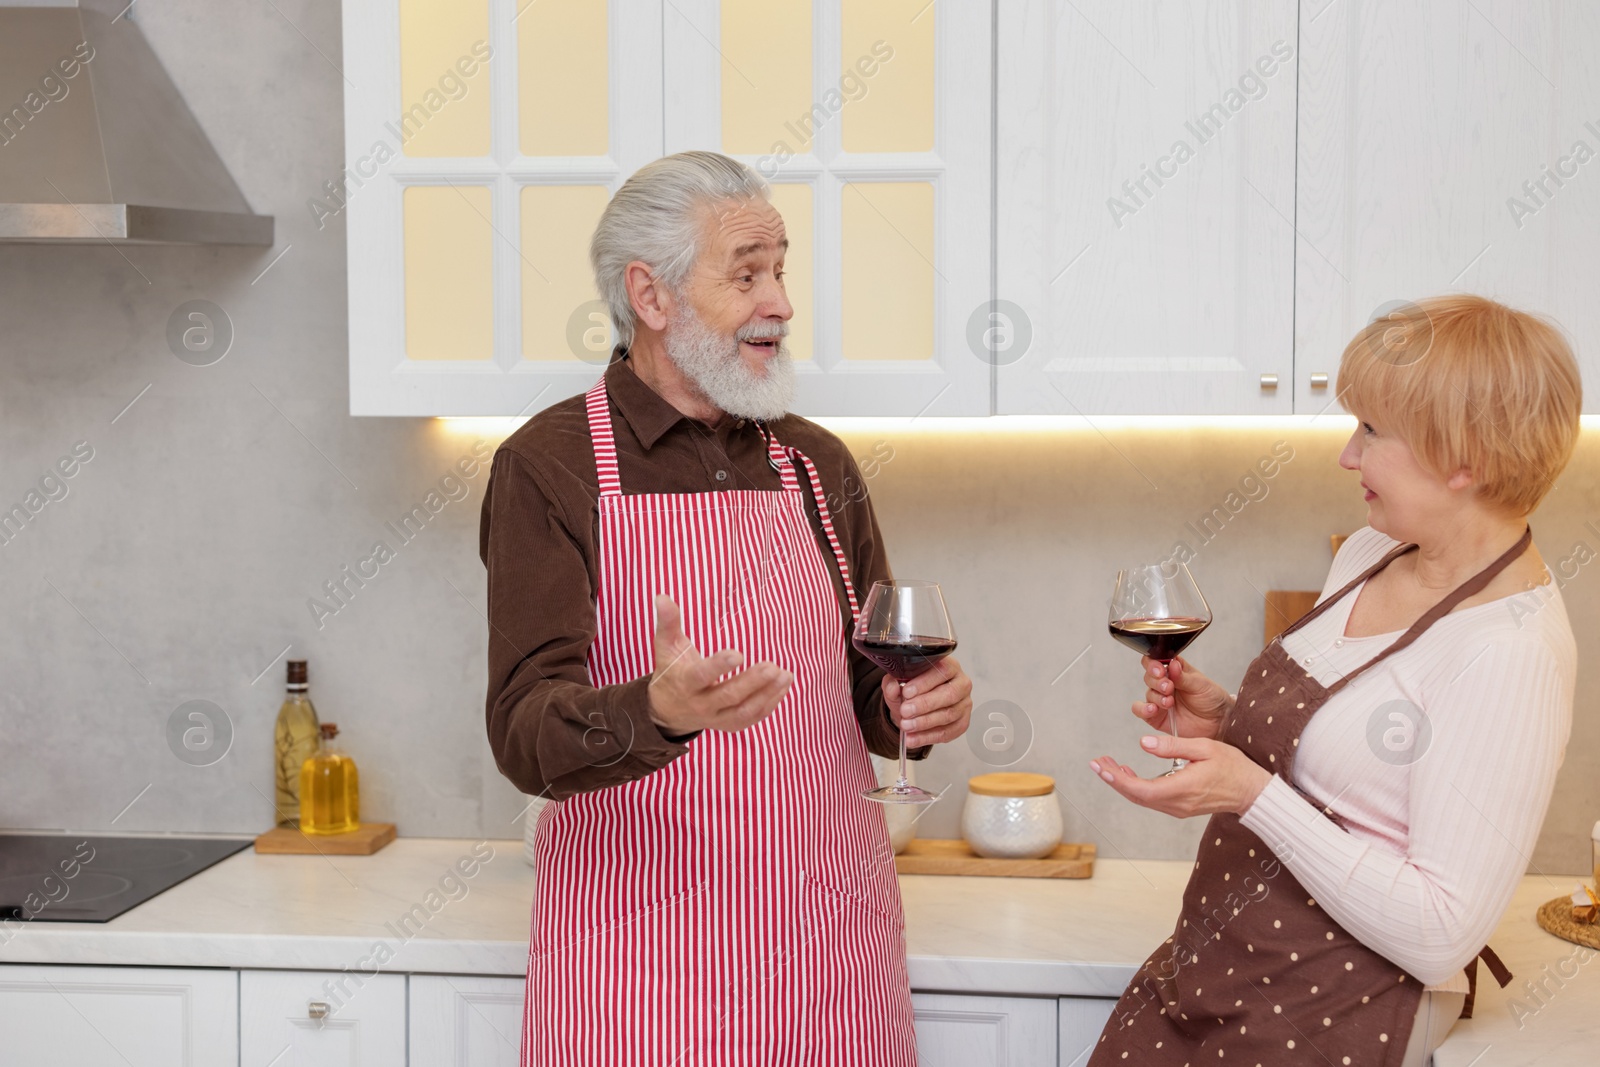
<point>778,458</point>
<point>783,459</point>
<point>1394,554</point>
<point>605,443</point>
<point>1470,587</point>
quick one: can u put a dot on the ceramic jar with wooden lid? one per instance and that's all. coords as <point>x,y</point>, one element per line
<point>1011,815</point>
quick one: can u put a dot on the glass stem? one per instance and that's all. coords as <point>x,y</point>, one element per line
<point>902,784</point>
<point>1172,727</point>
<point>1172,716</point>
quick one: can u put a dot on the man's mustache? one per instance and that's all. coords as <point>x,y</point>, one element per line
<point>762,331</point>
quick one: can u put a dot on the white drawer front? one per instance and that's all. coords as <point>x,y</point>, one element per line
<point>161,1017</point>
<point>979,1031</point>
<point>322,1019</point>
<point>458,1021</point>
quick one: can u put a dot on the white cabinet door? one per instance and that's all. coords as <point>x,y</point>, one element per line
<point>1081,1021</point>
<point>140,1016</point>
<point>1446,147</point>
<point>1145,204</point>
<point>344,1018</point>
<point>872,122</point>
<point>978,1031</point>
<point>482,140</point>
<point>458,1021</point>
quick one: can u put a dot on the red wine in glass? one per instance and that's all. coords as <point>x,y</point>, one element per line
<point>1161,639</point>
<point>905,629</point>
<point>1157,611</point>
<point>904,657</point>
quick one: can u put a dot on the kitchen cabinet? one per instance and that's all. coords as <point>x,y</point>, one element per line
<point>871,118</point>
<point>982,1031</point>
<point>1131,208</point>
<point>464,1021</point>
<point>1145,245</point>
<point>145,1017</point>
<point>1080,1020</point>
<point>1445,147</point>
<point>348,1018</point>
<point>484,137</point>
<point>460,1021</point>
<point>482,140</point>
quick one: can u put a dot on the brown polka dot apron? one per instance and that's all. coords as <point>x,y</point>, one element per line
<point>1255,971</point>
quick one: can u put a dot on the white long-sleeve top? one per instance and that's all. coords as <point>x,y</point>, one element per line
<point>1443,809</point>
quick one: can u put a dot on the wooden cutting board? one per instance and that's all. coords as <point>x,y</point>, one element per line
<point>928,855</point>
<point>286,841</point>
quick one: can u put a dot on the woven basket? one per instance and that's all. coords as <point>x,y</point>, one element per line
<point>1555,917</point>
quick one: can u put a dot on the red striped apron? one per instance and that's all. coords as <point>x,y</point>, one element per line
<point>739,905</point>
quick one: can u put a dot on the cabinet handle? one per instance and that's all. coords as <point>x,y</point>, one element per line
<point>1319,380</point>
<point>1269,381</point>
<point>317,1009</point>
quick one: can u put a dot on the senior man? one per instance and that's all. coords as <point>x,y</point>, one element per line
<point>670,600</point>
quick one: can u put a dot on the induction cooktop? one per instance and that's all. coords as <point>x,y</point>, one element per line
<point>91,879</point>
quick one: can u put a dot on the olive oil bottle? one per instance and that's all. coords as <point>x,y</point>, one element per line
<point>330,792</point>
<point>294,741</point>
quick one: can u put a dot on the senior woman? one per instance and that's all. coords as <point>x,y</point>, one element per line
<point>1379,780</point>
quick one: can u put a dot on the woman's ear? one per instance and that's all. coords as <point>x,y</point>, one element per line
<point>651,302</point>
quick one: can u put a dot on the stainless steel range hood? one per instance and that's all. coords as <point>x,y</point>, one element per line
<point>97,144</point>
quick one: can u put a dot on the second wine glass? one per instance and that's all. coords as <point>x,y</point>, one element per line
<point>905,629</point>
<point>1157,610</point>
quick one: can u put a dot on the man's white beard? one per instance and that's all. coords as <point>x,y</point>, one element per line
<point>714,364</point>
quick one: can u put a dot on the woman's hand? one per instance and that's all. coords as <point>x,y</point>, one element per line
<point>1194,703</point>
<point>1219,778</point>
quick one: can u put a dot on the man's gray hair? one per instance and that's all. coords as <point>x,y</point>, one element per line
<point>656,218</point>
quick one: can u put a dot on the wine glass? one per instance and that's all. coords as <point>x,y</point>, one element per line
<point>905,629</point>
<point>1157,610</point>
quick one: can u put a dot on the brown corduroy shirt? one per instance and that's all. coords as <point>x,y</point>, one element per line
<point>553,733</point>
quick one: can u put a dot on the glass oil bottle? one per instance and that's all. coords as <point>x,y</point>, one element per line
<point>294,741</point>
<point>329,789</point>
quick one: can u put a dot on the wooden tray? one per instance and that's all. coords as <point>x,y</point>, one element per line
<point>286,841</point>
<point>927,855</point>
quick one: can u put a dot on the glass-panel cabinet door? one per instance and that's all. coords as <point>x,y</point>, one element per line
<point>871,118</point>
<point>1145,206</point>
<point>482,140</point>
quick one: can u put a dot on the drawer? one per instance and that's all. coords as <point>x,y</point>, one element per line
<point>156,1016</point>
<point>322,1018</point>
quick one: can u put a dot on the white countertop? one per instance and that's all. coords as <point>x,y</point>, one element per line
<point>997,935</point>
<point>983,935</point>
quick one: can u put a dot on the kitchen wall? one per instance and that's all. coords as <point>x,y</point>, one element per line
<point>209,505</point>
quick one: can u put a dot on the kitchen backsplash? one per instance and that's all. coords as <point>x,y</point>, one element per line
<point>184,525</point>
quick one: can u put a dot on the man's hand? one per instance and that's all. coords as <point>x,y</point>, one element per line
<point>933,707</point>
<point>685,694</point>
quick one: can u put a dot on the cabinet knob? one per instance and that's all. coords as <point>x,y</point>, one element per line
<point>317,1009</point>
<point>1269,381</point>
<point>1319,380</point>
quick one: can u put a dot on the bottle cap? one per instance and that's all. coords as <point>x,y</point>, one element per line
<point>329,731</point>
<point>297,672</point>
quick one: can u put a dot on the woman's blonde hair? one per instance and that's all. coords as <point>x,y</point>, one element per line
<point>1467,382</point>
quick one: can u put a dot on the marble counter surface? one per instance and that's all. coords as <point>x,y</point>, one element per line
<point>997,935</point>
<point>317,913</point>
<point>982,935</point>
<point>1550,1013</point>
